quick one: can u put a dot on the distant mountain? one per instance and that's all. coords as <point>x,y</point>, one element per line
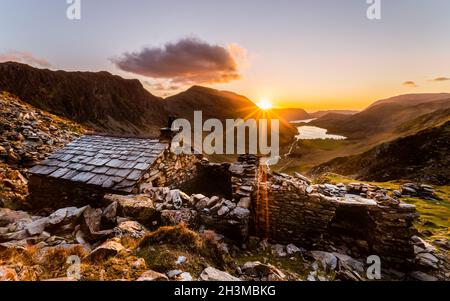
<point>213,103</point>
<point>100,100</point>
<point>221,105</point>
<point>413,99</point>
<point>423,157</point>
<point>320,114</point>
<point>292,114</point>
<point>384,120</point>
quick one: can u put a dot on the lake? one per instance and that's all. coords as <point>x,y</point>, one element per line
<point>314,132</point>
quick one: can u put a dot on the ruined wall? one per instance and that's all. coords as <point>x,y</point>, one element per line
<point>288,210</point>
<point>286,213</point>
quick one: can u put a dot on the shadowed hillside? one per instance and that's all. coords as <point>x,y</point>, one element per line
<point>101,100</point>
<point>422,157</point>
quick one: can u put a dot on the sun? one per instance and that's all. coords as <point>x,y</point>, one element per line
<point>265,105</point>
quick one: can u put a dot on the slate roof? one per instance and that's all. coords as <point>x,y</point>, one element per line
<point>116,164</point>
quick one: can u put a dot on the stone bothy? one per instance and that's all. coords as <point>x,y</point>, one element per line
<point>235,199</point>
<point>85,170</point>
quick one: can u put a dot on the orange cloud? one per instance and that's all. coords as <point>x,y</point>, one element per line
<point>440,79</point>
<point>410,84</point>
<point>186,62</point>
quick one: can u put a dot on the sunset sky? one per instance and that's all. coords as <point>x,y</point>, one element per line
<point>311,54</point>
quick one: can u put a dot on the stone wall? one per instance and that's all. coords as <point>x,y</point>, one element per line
<point>56,193</point>
<point>171,170</point>
<point>289,210</point>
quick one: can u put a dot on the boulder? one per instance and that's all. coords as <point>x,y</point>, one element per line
<point>130,229</point>
<point>240,213</point>
<point>213,201</point>
<point>428,260</point>
<point>152,276</point>
<point>174,273</point>
<point>185,276</point>
<point>224,210</point>
<point>106,250</point>
<point>292,249</point>
<point>421,276</point>
<point>8,216</point>
<point>196,198</point>
<point>38,226</point>
<point>278,250</point>
<point>109,214</point>
<point>245,203</point>
<point>137,207</point>
<point>202,204</point>
<point>327,260</point>
<point>349,263</point>
<point>212,274</point>
<point>259,271</point>
<point>91,225</point>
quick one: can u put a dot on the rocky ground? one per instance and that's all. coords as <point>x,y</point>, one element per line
<point>158,235</point>
<point>28,136</point>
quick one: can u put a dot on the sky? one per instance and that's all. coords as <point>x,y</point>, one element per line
<point>311,54</point>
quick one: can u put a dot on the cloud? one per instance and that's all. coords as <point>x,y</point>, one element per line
<point>186,62</point>
<point>410,84</point>
<point>24,57</point>
<point>440,79</point>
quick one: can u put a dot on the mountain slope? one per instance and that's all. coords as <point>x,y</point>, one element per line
<point>413,99</point>
<point>101,100</point>
<point>382,121</point>
<point>213,103</point>
<point>424,157</point>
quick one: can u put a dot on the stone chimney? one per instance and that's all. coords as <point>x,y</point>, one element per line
<point>167,133</point>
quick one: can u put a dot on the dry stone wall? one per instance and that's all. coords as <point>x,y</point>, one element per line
<point>289,210</point>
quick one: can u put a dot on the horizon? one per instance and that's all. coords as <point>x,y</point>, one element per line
<point>274,107</point>
<point>313,55</point>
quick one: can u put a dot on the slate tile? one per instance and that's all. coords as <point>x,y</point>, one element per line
<point>124,185</point>
<point>63,164</point>
<point>75,166</point>
<point>83,177</point>
<point>98,162</point>
<point>98,180</point>
<point>100,170</point>
<point>135,175</point>
<point>111,182</point>
<point>59,173</point>
<point>70,175</point>
<point>115,163</point>
<point>52,162</point>
<point>128,165</point>
<point>142,166</point>
<point>87,168</point>
<point>43,170</point>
